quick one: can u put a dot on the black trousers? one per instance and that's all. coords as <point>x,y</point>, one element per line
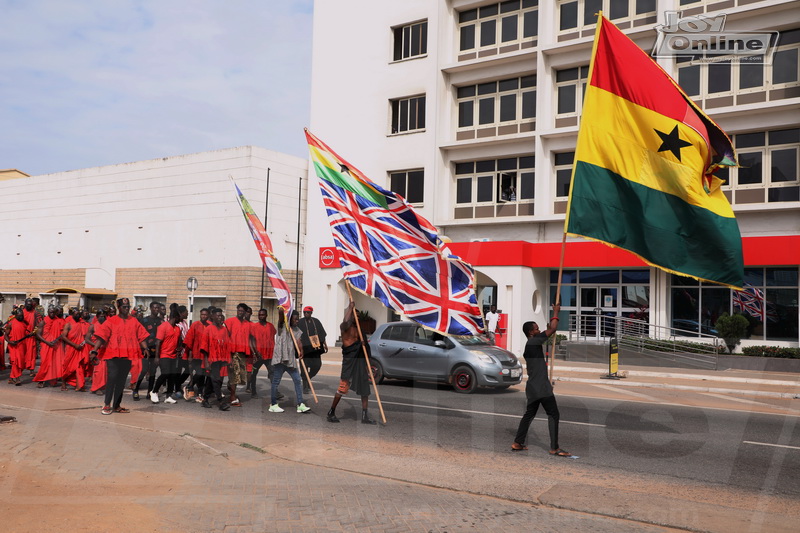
<point>214,380</point>
<point>257,364</point>
<point>551,408</point>
<point>198,377</point>
<point>170,369</point>
<point>118,369</point>
<point>149,367</point>
<point>313,364</point>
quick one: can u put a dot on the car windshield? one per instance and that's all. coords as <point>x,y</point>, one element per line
<point>477,340</point>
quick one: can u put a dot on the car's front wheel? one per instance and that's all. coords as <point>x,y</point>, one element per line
<point>377,371</point>
<point>464,380</point>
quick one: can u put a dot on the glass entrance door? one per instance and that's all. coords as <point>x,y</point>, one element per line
<point>594,303</point>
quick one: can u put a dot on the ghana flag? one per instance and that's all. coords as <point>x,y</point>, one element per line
<point>642,178</point>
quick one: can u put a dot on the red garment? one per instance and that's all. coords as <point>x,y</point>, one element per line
<point>100,370</point>
<point>217,344</point>
<point>265,338</point>
<point>194,338</point>
<point>239,331</point>
<point>136,369</point>
<point>16,354</point>
<point>74,368</point>
<point>169,336</point>
<point>29,344</point>
<point>123,337</point>
<point>52,357</point>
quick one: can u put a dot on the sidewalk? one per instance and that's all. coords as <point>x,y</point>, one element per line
<point>763,384</point>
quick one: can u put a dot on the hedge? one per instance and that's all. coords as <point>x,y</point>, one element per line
<point>771,351</point>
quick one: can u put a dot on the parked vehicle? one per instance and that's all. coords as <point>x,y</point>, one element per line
<point>406,350</point>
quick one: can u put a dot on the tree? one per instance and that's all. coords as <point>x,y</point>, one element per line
<point>731,329</point>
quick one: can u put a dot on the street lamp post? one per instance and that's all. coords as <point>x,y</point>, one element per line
<point>191,286</point>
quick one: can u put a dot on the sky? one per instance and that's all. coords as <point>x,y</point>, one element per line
<point>101,82</point>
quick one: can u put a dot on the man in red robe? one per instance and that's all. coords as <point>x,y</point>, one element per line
<point>29,346</point>
<point>16,333</point>
<point>99,372</point>
<point>51,352</point>
<point>74,337</point>
<point>124,339</point>
<point>168,339</point>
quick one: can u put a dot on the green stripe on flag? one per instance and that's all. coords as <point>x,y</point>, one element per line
<point>660,228</point>
<point>350,183</point>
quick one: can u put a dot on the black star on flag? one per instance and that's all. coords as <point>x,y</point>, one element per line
<point>345,170</point>
<point>671,141</point>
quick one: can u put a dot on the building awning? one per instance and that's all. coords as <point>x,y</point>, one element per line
<point>82,290</point>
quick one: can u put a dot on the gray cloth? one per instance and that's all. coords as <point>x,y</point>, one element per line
<point>354,368</point>
<point>285,353</point>
<point>538,385</point>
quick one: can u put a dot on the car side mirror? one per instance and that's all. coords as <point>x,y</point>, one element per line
<point>440,344</point>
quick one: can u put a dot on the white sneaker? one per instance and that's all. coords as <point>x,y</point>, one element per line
<point>170,399</point>
<point>275,408</point>
<point>302,408</point>
<point>154,397</point>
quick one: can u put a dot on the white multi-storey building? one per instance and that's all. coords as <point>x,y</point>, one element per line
<point>470,109</point>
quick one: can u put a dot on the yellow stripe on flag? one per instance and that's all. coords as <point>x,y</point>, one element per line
<point>622,137</point>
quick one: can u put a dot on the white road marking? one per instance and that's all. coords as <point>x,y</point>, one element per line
<point>741,400</point>
<point>772,445</point>
<point>629,393</point>
<point>463,411</point>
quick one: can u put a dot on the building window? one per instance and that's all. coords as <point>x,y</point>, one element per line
<point>496,182</point>
<point>408,114</point>
<point>501,24</point>
<point>563,172</point>
<point>410,184</point>
<point>411,40</point>
<point>727,83</point>
<point>497,103</point>
<point>570,88</point>
<point>581,14</point>
<point>769,161</point>
<point>769,302</point>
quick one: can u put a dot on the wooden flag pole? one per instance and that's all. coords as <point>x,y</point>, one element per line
<point>558,302</point>
<point>366,356</point>
<point>288,324</point>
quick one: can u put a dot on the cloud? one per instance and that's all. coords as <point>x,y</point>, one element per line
<point>95,82</point>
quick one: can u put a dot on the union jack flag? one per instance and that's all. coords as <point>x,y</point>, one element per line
<point>389,252</point>
<point>264,247</point>
<point>751,301</point>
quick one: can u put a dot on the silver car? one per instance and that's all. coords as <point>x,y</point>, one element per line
<point>406,350</point>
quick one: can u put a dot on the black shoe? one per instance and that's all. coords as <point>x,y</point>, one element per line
<point>365,419</point>
<point>332,418</point>
<point>255,395</point>
<point>306,390</point>
<point>280,396</point>
<point>206,404</point>
<point>224,406</point>
<point>135,396</point>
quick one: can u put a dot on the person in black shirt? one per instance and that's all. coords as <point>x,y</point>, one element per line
<point>314,345</point>
<point>538,389</point>
<point>150,364</point>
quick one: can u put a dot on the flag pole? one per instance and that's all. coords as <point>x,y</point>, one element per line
<point>557,302</point>
<point>366,356</point>
<point>263,266</point>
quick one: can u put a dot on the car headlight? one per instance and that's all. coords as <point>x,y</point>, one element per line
<point>486,358</point>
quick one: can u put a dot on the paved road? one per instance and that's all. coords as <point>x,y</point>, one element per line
<point>441,464</point>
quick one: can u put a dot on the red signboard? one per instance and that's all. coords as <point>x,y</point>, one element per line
<point>328,257</point>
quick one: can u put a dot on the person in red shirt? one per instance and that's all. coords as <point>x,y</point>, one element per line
<point>168,342</point>
<point>99,372</point>
<point>29,345</point>
<point>191,347</point>
<point>52,349</point>
<point>74,337</point>
<point>216,351</point>
<point>262,344</point>
<point>124,339</point>
<point>239,331</point>
<point>16,333</point>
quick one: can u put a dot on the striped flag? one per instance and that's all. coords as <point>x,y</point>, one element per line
<point>643,173</point>
<point>264,247</point>
<point>389,252</point>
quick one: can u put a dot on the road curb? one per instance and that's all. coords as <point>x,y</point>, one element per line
<point>763,394</point>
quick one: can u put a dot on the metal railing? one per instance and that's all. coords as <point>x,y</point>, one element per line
<point>643,337</point>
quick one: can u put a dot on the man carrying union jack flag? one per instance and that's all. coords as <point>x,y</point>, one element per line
<point>389,252</point>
